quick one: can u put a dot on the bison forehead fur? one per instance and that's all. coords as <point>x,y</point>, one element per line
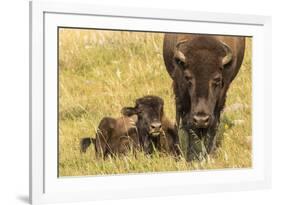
<point>150,101</point>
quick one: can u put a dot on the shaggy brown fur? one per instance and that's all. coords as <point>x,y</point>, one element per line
<point>114,136</point>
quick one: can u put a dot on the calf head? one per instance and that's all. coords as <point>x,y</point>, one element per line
<point>149,110</point>
<point>199,66</point>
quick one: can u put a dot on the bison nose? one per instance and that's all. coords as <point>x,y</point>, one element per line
<point>201,121</point>
<point>155,126</point>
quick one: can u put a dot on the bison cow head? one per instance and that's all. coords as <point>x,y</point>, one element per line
<point>149,110</point>
<point>199,66</point>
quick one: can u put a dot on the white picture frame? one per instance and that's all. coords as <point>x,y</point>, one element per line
<point>46,187</point>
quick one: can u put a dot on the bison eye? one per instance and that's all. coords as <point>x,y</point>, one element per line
<point>179,62</point>
<point>139,111</point>
<point>217,82</point>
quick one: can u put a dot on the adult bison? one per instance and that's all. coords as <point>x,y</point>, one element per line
<point>202,68</point>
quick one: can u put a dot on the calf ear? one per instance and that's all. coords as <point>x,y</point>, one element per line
<point>128,111</point>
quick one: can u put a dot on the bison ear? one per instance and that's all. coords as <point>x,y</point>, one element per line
<point>228,54</point>
<point>129,111</point>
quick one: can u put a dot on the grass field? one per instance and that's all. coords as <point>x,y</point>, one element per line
<point>102,71</point>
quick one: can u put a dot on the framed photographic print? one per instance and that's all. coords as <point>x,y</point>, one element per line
<point>129,102</point>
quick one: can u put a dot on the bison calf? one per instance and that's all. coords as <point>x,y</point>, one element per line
<point>155,131</point>
<point>114,136</point>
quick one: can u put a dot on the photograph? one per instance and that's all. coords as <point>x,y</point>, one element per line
<point>148,102</point>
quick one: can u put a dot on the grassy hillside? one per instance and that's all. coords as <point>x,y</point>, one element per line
<point>102,71</point>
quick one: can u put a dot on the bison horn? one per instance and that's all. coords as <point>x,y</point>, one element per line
<point>180,56</point>
<point>228,57</point>
<point>181,42</point>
